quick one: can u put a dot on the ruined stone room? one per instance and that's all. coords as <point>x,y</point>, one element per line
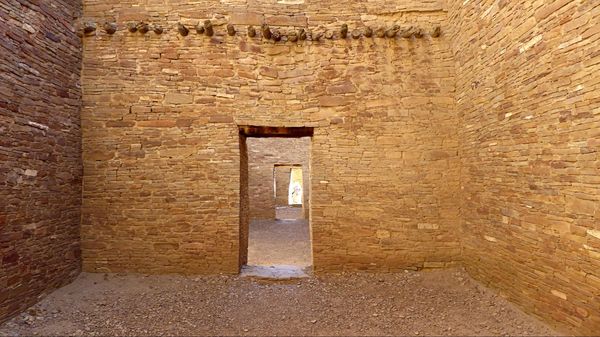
<point>300,167</point>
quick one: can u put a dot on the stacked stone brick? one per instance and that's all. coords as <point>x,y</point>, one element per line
<point>40,150</point>
<point>528,101</point>
<point>478,147</point>
<point>160,132</point>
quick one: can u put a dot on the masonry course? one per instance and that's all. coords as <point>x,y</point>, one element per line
<point>478,147</point>
<point>40,150</point>
<point>528,102</point>
<point>162,195</point>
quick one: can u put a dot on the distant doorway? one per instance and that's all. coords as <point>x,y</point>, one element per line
<point>295,187</point>
<point>288,188</point>
<point>275,197</point>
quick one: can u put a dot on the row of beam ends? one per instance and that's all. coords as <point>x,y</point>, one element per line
<point>269,33</point>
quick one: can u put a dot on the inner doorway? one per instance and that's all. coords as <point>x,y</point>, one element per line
<point>275,198</point>
<point>288,188</point>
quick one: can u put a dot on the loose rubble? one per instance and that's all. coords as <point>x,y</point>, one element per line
<point>443,302</point>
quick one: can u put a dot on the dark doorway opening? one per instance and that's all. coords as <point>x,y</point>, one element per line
<point>275,197</point>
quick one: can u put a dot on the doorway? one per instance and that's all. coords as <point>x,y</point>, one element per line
<point>275,198</point>
<point>288,190</point>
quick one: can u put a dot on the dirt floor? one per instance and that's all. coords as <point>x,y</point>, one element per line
<point>279,242</point>
<point>289,213</point>
<point>442,302</point>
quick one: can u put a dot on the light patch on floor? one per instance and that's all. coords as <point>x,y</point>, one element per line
<point>289,213</point>
<point>275,272</point>
<point>279,242</point>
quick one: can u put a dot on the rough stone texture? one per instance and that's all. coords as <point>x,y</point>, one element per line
<point>40,150</point>
<point>504,102</point>
<point>528,99</point>
<point>432,303</point>
<point>263,155</point>
<point>161,147</point>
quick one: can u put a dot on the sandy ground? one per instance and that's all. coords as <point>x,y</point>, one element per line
<point>443,302</point>
<point>279,242</point>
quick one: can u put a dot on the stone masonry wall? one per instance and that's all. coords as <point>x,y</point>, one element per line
<point>263,154</point>
<point>40,150</point>
<point>282,181</point>
<point>161,147</point>
<point>528,99</point>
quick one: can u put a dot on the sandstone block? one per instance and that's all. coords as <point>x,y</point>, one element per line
<point>177,98</point>
<point>159,123</point>
<point>268,72</point>
<point>220,119</point>
<point>342,88</point>
<point>99,155</point>
<point>287,20</point>
<point>119,124</point>
<point>581,206</point>
<point>31,173</point>
<point>332,101</point>
<point>559,294</point>
<point>382,234</point>
<point>246,18</point>
<point>428,226</point>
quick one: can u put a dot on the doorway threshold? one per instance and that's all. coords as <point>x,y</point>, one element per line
<point>275,272</point>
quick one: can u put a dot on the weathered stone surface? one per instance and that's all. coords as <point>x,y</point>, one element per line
<point>246,18</point>
<point>220,119</point>
<point>160,123</point>
<point>528,99</point>
<point>298,20</point>
<point>119,124</point>
<point>379,108</point>
<point>575,205</point>
<point>477,147</point>
<point>331,101</point>
<point>40,150</point>
<point>345,87</point>
<point>177,98</point>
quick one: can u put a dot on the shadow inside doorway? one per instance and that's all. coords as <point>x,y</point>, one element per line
<point>275,235</point>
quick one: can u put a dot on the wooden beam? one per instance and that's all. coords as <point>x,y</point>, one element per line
<point>344,31</point>
<point>132,27</point>
<point>266,31</point>
<point>208,28</point>
<point>89,27</point>
<point>251,31</point>
<point>143,27</point>
<point>230,30</point>
<point>182,29</point>
<point>110,28</point>
<point>275,131</point>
